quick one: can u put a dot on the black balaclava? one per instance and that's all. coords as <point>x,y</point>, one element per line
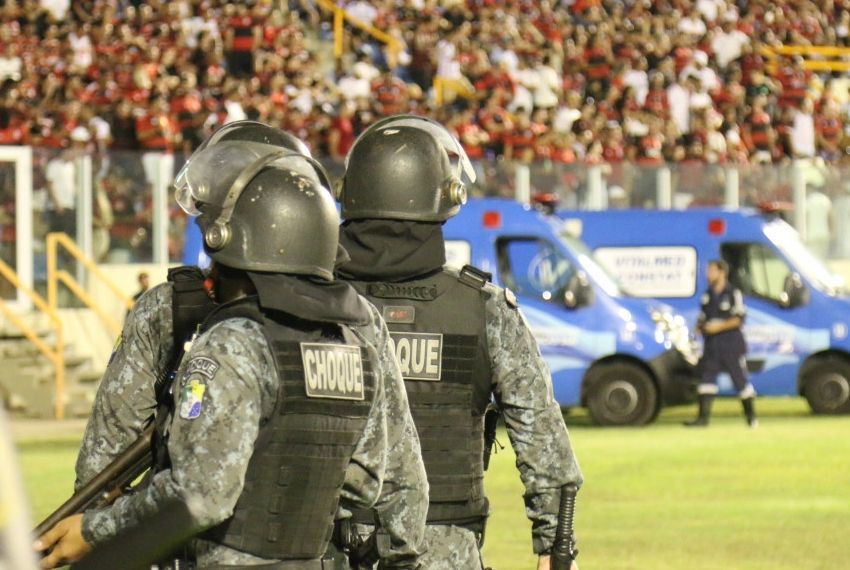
<point>391,250</point>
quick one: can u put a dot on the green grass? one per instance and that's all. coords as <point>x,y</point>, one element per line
<point>656,498</point>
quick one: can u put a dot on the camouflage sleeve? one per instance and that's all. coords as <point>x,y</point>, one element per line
<point>125,398</point>
<point>535,425</point>
<point>229,368</point>
<point>389,451</point>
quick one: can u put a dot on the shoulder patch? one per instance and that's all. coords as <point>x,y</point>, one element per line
<point>510,298</point>
<point>192,399</point>
<point>202,365</point>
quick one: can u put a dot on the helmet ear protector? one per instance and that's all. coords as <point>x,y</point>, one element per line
<point>218,234</point>
<point>455,190</point>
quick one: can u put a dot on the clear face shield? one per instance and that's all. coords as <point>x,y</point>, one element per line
<point>461,164</point>
<point>217,175</point>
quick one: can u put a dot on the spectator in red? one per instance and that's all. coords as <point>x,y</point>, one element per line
<point>656,101</point>
<point>599,61</point>
<point>651,145</point>
<point>758,131</point>
<point>390,94</point>
<point>341,135</point>
<point>829,132</point>
<point>472,137</point>
<point>520,141</point>
<point>156,129</point>
<point>241,37</point>
<point>794,81</point>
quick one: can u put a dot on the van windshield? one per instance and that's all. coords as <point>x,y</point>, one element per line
<point>787,240</point>
<point>585,258</point>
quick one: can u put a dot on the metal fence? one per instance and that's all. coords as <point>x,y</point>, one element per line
<point>118,208</point>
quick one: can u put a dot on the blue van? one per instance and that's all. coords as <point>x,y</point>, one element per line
<point>798,313</point>
<point>620,356</point>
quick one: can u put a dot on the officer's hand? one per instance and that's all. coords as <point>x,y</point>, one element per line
<point>64,541</point>
<point>711,327</point>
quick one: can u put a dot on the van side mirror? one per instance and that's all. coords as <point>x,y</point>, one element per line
<point>794,292</point>
<point>578,292</point>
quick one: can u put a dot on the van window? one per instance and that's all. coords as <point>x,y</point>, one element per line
<point>756,270</point>
<point>533,267</point>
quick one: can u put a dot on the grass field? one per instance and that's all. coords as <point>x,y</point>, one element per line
<point>656,498</point>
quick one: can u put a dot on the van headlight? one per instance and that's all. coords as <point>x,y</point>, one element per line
<point>674,330</point>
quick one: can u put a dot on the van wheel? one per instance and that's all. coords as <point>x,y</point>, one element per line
<point>827,387</point>
<point>621,394</point>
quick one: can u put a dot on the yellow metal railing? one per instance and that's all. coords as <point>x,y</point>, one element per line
<point>56,353</point>
<point>826,58</point>
<point>54,276</point>
<point>341,16</point>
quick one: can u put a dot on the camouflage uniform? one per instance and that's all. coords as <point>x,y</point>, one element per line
<point>523,390</point>
<point>210,453</point>
<point>522,387</point>
<point>125,398</point>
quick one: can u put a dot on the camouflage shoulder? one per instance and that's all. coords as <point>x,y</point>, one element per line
<point>156,296</point>
<point>153,308</point>
<point>230,333</point>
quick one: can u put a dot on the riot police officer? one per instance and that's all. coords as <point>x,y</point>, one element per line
<point>460,340</point>
<point>302,360</point>
<point>150,344</point>
<point>722,314</point>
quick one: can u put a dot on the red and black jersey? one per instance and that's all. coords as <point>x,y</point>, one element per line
<point>390,94</point>
<point>243,33</point>
<point>656,102</point>
<point>472,151</point>
<point>154,131</point>
<point>185,109</point>
<point>613,153</point>
<point>520,139</point>
<point>650,150</point>
<point>794,82</point>
<point>760,128</point>
<point>492,80</point>
<point>597,63</point>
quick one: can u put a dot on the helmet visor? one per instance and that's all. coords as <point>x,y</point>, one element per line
<point>460,161</point>
<point>211,173</point>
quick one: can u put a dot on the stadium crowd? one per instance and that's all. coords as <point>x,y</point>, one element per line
<point>569,83</point>
<point>580,80</point>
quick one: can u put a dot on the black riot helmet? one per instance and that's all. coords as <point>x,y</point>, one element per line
<point>404,167</point>
<point>253,131</point>
<point>261,208</point>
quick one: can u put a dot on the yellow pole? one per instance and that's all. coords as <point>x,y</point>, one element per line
<point>51,271</point>
<point>339,16</point>
<point>59,388</point>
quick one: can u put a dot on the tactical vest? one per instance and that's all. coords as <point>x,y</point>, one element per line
<point>190,305</point>
<point>438,329</point>
<point>292,486</point>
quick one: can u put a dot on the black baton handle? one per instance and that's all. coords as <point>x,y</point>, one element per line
<point>563,550</point>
